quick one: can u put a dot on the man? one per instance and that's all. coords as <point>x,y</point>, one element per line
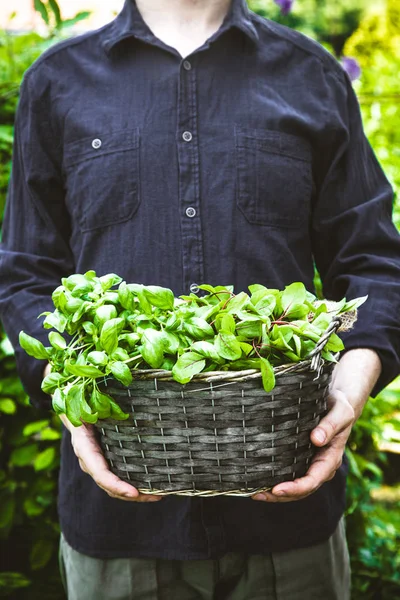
<point>191,142</point>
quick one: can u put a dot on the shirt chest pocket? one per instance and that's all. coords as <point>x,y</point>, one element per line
<point>102,178</point>
<point>274,177</point>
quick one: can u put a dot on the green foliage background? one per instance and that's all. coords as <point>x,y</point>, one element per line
<point>29,438</point>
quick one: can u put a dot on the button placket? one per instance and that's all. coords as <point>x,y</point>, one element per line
<point>189,177</point>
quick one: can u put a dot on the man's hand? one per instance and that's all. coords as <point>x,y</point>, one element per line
<point>92,462</point>
<point>352,381</point>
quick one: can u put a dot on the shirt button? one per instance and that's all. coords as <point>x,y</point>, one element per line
<point>96,144</point>
<point>194,288</point>
<point>187,136</point>
<point>190,212</point>
<point>187,65</point>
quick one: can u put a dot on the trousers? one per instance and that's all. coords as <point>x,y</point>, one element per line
<point>321,571</point>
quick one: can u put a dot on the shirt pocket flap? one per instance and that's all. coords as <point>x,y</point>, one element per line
<point>107,143</point>
<point>274,142</point>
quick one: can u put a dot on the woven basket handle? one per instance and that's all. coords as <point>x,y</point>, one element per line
<point>315,354</point>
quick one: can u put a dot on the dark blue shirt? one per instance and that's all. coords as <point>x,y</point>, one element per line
<point>244,163</point>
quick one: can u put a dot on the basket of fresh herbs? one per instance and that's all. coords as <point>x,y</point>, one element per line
<point>199,395</point>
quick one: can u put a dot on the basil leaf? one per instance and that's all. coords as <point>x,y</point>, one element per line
<point>125,297</point>
<point>107,281</point>
<point>83,370</point>
<point>89,327</point>
<point>55,320</point>
<point>58,401</point>
<point>100,403</point>
<point>121,372</point>
<point>228,346</point>
<point>153,347</point>
<point>57,341</point>
<point>267,374</point>
<point>109,335</point>
<point>32,346</point>
<point>73,404</point>
<point>188,365</point>
<point>159,296</point>
<point>198,328</point>
<point>51,382</point>
<point>105,313</point>
<point>116,412</point>
<point>97,358</point>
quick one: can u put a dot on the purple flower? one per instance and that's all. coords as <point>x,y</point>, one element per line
<point>351,66</point>
<point>285,5</point>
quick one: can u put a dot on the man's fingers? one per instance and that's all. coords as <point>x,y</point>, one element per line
<point>323,468</point>
<point>93,462</point>
<point>338,418</point>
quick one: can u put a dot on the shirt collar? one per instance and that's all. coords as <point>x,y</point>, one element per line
<point>129,23</point>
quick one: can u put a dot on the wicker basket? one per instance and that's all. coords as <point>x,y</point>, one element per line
<point>219,434</point>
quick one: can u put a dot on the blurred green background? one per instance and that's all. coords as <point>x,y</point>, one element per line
<point>365,37</point>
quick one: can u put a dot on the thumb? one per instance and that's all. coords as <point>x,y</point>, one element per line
<point>340,416</point>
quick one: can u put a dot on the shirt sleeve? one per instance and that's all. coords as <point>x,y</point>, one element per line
<point>355,243</point>
<point>34,253</point>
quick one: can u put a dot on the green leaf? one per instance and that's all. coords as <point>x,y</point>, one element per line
<point>268,375</point>
<point>100,403</point>
<point>126,297</point>
<point>44,459</point>
<point>97,358</point>
<point>198,328</point>
<point>228,346</point>
<point>159,296</point>
<point>73,404</point>
<point>51,382</point>
<point>34,427</point>
<point>144,303</point>
<point>249,329</point>
<point>105,313</point>
<point>207,350</point>
<point>109,335</point>
<point>10,581</point>
<point>41,553</point>
<point>83,370</point>
<point>56,320</point>
<point>41,8</point>
<point>238,303</point>
<point>89,327</point>
<point>353,304</point>
<point>58,402</point>
<point>57,341</point>
<point>188,365</point>
<point>293,294</point>
<point>23,456</point>
<point>334,344</point>
<point>56,11</point>
<point>32,346</point>
<point>171,342</point>
<point>121,372</point>
<point>7,510</point>
<point>107,281</point>
<point>116,412</point>
<point>228,323</point>
<point>8,406</point>
<point>266,305</point>
<point>59,298</point>
<point>153,347</point>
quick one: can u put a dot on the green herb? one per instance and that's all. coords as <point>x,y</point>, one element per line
<point>113,332</point>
